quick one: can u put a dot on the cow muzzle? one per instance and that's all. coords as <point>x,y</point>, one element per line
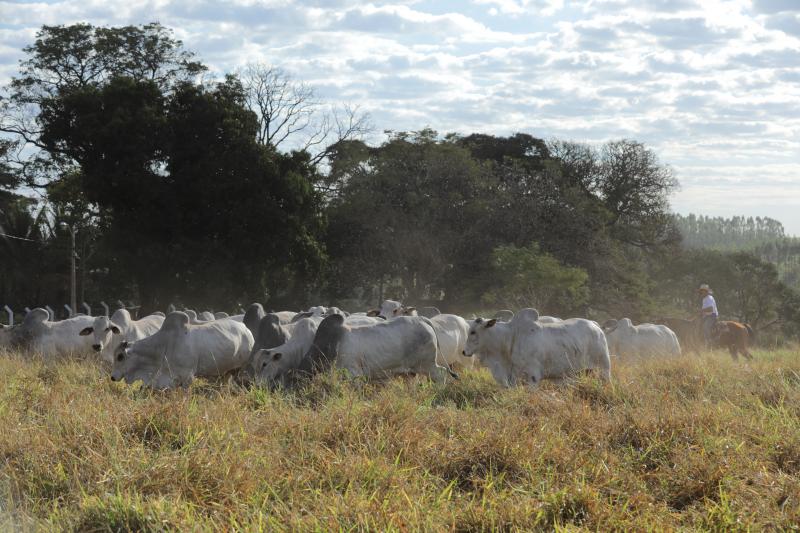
<point>97,347</point>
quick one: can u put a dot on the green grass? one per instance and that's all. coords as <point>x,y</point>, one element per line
<point>697,443</point>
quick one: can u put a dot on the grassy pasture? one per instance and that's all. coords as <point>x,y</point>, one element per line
<point>694,444</point>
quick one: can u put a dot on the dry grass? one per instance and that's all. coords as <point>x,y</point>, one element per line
<point>698,443</point>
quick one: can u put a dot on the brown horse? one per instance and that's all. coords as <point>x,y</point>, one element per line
<point>734,336</point>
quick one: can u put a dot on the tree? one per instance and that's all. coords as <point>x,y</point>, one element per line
<point>9,180</point>
<point>527,277</point>
<point>249,209</point>
<point>290,112</point>
<point>553,194</point>
<point>402,214</point>
<point>635,188</point>
<point>70,59</point>
<point>187,193</point>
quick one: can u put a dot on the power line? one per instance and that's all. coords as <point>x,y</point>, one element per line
<point>17,238</point>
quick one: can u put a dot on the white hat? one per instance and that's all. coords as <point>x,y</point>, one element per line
<point>705,287</point>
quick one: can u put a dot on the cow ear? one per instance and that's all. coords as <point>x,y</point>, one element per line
<point>86,331</point>
<point>373,312</point>
<point>277,356</point>
<point>491,323</point>
<point>409,309</point>
<point>114,329</point>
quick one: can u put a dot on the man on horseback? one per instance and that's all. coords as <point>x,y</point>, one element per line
<point>708,312</point>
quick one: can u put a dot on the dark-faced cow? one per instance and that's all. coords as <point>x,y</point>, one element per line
<point>401,346</point>
<point>252,317</point>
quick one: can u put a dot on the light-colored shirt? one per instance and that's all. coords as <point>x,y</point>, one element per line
<point>708,301</point>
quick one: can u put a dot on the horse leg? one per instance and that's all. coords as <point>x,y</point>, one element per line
<point>734,352</point>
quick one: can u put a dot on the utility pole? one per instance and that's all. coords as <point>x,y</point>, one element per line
<point>73,300</point>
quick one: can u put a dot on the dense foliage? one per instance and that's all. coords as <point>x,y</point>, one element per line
<point>178,196</point>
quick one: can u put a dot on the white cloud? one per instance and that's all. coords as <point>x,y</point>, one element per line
<point>522,7</point>
<point>712,85</point>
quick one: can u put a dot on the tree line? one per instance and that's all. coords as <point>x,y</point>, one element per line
<point>219,192</point>
<point>735,233</point>
<point>762,236</point>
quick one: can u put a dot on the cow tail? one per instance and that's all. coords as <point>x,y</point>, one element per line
<point>438,350</point>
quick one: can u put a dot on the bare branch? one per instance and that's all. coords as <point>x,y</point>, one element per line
<point>291,114</point>
<point>348,123</point>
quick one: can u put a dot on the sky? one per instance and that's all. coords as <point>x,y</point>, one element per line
<point>713,86</point>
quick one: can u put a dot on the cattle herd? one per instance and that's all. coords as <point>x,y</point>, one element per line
<point>284,348</point>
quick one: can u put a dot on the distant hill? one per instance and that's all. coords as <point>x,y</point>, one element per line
<point>763,236</point>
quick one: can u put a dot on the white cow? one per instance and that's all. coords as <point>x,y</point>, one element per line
<point>193,318</point>
<point>298,338</point>
<point>508,316</point>
<point>272,333</point>
<point>179,351</point>
<point>627,340</point>
<point>335,311</point>
<point>108,333</point>
<point>505,315</point>
<point>401,346</point>
<point>550,320</point>
<point>452,332</point>
<point>392,309</point>
<point>286,317</point>
<point>429,311</point>
<point>252,317</point>
<point>532,315</point>
<point>268,333</point>
<point>293,340</point>
<point>50,339</point>
<point>8,335</point>
<point>525,352</point>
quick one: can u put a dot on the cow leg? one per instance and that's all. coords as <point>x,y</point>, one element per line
<point>530,379</point>
<point>439,374</point>
<point>603,373</point>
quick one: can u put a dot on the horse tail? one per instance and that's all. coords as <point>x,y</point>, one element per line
<point>750,332</point>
